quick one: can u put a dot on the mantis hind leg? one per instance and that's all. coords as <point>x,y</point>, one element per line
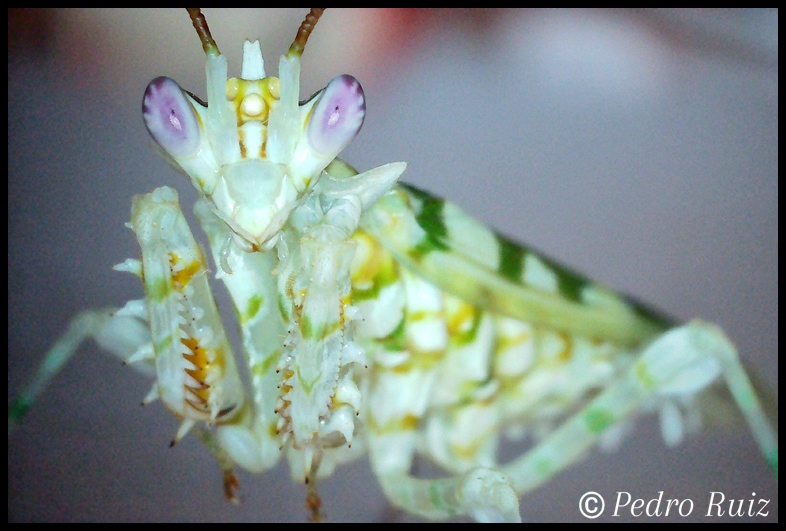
<point>676,366</point>
<point>123,333</point>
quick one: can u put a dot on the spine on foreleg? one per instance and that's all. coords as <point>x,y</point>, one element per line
<point>319,397</point>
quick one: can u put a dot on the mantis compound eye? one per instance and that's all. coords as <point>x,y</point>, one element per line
<point>170,118</point>
<point>337,117</point>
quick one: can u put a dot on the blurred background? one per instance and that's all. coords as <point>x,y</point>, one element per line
<point>640,147</point>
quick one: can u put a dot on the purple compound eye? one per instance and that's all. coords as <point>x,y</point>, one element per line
<point>170,119</point>
<point>337,117</point>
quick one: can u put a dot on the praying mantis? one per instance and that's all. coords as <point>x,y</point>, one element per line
<point>64,289</point>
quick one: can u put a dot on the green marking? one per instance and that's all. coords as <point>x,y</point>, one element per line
<point>158,289</point>
<point>470,335</point>
<point>18,409</point>
<point>644,376</point>
<point>425,247</point>
<point>419,194</point>
<point>435,497</point>
<point>397,340</point>
<point>511,259</point>
<point>651,314</point>
<point>283,307</point>
<point>317,331</point>
<point>385,277</point>
<point>569,283</point>
<point>473,332</point>
<point>338,169</point>
<point>430,219</point>
<point>544,467</point>
<point>163,345</point>
<point>307,386</point>
<point>306,327</point>
<point>261,368</point>
<point>371,293</point>
<point>570,286</point>
<point>254,304</point>
<point>772,460</point>
<point>598,419</point>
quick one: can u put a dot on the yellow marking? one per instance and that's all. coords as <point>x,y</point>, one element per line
<point>197,357</point>
<point>372,266</point>
<point>204,362</point>
<point>460,316</point>
<point>567,351</point>
<point>264,96</point>
<point>507,342</point>
<point>422,315</point>
<point>365,262</point>
<point>644,376</point>
<point>408,422</point>
<point>514,355</point>
<point>232,88</point>
<point>550,348</point>
<point>420,361</point>
<point>252,101</point>
<point>273,89</point>
<point>466,452</point>
<point>182,277</point>
<point>241,138</point>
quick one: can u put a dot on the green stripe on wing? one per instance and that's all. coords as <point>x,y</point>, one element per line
<point>438,241</point>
